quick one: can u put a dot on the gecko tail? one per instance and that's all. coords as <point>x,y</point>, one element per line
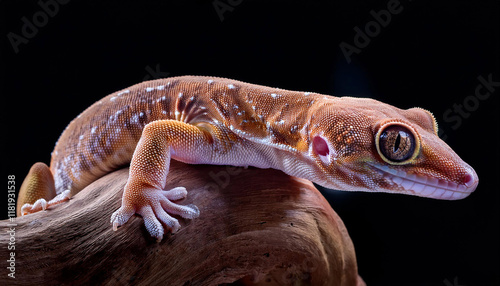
<point>37,186</point>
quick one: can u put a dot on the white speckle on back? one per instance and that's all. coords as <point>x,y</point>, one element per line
<point>123,92</point>
<point>161,98</point>
<point>141,114</point>
<point>274,95</point>
<point>230,86</point>
<point>93,130</point>
<point>148,89</point>
<point>210,81</point>
<point>113,98</point>
<point>180,94</point>
<point>160,87</point>
<point>281,122</point>
<point>135,118</point>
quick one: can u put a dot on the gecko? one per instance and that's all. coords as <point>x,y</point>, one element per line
<point>342,143</point>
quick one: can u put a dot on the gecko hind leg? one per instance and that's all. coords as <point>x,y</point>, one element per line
<point>38,191</point>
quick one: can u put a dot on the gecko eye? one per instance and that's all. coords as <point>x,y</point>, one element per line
<point>396,144</point>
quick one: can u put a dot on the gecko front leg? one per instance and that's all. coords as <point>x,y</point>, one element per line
<point>143,193</point>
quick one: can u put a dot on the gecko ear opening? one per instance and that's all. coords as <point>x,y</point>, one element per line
<point>320,146</point>
<point>424,118</point>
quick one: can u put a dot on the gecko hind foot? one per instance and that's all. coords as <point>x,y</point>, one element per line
<point>42,204</point>
<point>155,207</point>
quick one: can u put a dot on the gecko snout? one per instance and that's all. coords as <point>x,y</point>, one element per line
<point>470,179</point>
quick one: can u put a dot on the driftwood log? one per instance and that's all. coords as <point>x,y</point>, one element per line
<point>257,227</point>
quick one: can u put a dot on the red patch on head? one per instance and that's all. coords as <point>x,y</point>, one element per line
<point>320,146</point>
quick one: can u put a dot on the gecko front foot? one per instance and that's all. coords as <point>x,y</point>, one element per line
<point>154,206</point>
<point>42,204</point>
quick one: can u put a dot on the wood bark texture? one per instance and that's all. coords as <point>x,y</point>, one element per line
<point>256,227</point>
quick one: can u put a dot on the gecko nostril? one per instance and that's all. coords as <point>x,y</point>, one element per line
<point>469,179</point>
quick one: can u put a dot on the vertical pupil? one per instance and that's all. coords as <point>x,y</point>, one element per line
<point>397,143</point>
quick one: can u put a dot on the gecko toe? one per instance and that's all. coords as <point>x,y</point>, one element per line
<point>177,193</point>
<point>121,216</point>
<point>153,225</point>
<point>26,209</point>
<point>39,205</point>
<point>185,211</point>
<point>169,221</point>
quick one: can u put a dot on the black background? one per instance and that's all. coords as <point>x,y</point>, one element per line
<point>429,55</point>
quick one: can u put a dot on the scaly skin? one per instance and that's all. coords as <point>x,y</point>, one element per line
<point>351,144</point>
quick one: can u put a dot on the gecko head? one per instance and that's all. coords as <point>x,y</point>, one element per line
<point>374,147</point>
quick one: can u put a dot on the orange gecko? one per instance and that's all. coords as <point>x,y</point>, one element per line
<point>343,143</point>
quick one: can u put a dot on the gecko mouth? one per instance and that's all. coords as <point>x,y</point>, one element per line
<point>426,186</point>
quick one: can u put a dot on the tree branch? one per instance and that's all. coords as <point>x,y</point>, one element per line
<point>256,227</point>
